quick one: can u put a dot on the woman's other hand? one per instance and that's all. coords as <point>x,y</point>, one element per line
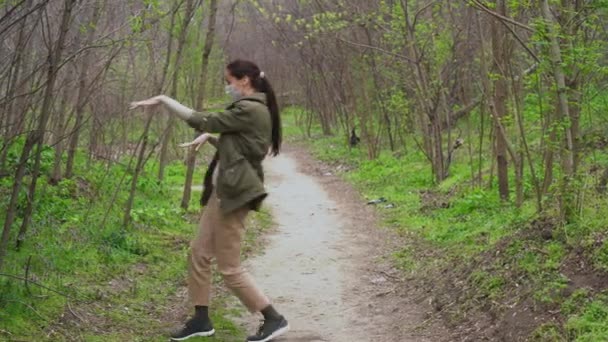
<point>198,142</point>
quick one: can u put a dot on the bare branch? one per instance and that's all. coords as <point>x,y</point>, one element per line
<point>482,7</point>
<point>400,56</point>
<point>7,27</point>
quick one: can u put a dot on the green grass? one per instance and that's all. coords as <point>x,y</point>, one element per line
<point>491,247</point>
<point>124,282</point>
<point>591,324</point>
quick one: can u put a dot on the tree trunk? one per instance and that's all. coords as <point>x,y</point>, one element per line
<point>143,143</point>
<point>82,98</point>
<point>59,132</point>
<point>575,83</point>
<point>209,38</point>
<point>500,98</point>
<point>563,110</point>
<point>207,48</point>
<point>430,121</point>
<point>166,140</point>
<point>138,168</point>
<point>517,96</point>
<point>379,95</point>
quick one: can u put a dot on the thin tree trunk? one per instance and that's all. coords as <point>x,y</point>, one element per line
<point>497,130</point>
<point>517,96</point>
<point>482,115</point>
<point>82,98</point>
<point>209,38</point>
<point>431,126</point>
<point>145,136</point>
<point>207,48</point>
<point>59,132</point>
<point>164,149</point>
<point>548,158</point>
<point>500,99</point>
<point>379,95</point>
<point>567,151</point>
<point>138,168</point>
<point>574,83</point>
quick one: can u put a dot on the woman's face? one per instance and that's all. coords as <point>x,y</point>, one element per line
<point>243,86</point>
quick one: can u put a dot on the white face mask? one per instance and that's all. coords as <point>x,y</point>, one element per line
<point>233,92</point>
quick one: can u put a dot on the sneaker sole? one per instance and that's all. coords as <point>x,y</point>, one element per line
<point>198,334</point>
<point>274,335</point>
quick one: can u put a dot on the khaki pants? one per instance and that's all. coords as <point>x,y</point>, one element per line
<point>220,236</point>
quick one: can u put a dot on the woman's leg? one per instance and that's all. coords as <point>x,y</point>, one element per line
<point>199,275</point>
<point>201,255</point>
<point>227,242</point>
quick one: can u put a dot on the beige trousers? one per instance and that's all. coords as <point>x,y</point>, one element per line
<point>220,236</point>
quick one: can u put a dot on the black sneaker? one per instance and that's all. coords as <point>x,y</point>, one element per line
<point>193,328</point>
<point>270,329</point>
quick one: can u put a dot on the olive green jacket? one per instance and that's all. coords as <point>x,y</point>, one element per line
<point>245,129</point>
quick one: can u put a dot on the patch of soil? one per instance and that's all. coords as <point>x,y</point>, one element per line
<point>517,313</point>
<point>544,226</point>
<point>581,273</point>
<point>431,200</point>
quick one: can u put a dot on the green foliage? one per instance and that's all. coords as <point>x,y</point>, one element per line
<point>547,332</point>
<point>136,23</point>
<point>577,301</point>
<point>551,291</point>
<point>591,324</point>
<point>77,245</point>
<point>14,154</point>
<point>406,261</point>
<point>600,256</point>
<point>476,200</point>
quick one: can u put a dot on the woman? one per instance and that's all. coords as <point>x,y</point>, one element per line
<point>234,184</point>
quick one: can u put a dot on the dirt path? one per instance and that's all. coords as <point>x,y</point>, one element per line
<point>325,267</point>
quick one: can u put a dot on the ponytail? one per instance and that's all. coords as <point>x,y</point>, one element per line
<point>275,116</point>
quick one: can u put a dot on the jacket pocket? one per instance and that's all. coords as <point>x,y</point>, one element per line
<point>237,178</point>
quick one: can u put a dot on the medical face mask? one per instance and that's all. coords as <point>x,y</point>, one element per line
<point>233,92</point>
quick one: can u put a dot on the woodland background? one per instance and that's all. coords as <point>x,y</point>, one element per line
<point>484,122</point>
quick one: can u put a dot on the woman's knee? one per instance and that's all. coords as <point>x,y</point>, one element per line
<point>199,254</point>
<point>233,278</point>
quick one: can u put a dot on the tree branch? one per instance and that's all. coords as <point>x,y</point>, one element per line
<point>40,5</point>
<point>405,58</point>
<point>480,6</point>
<point>38,284</point>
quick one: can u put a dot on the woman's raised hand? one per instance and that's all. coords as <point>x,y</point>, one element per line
<point>151,102</point>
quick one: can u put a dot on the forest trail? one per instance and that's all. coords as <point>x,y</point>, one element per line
<point>325,266</point>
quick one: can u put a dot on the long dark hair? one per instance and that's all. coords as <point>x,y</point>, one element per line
<point>241,68</point>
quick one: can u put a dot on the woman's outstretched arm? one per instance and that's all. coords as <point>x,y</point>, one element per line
<point>173,106</point>
<point>237,118</point>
